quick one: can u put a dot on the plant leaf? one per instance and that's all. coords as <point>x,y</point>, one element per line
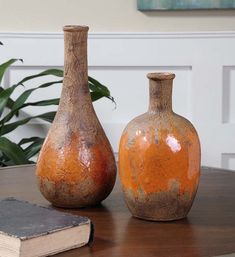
<point>13,151</point>
<point>33,148</point>
<point>48,116</point>
<point>19,102</point>
<point>12,126</point>
<point>28,140</point>
<point>54,101</point>
<point>53,72</point>
<point>98,86</point>
<point>4,97</point>
<point>10,102</point>
<point>24,96</point>
<point>99,89</point>
<point>96,96</point>
<point>4,66</point>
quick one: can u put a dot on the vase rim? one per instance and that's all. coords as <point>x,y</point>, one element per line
<point>72,28</point>
<point>161,75</point>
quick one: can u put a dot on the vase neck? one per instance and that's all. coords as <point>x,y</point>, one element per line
<point>160,92</point>
<point>75,84</point>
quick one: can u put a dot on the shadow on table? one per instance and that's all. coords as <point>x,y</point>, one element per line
<point>150,238</point>
<point>105,226</point>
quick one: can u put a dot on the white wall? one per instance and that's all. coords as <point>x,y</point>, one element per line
<point>203,62</point>
<point>204,92</point>
<point>105,15</point>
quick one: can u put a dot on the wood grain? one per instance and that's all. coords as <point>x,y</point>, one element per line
<point>209,229</point>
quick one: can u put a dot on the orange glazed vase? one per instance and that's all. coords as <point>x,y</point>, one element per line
<point>76,165</point>
<point>159,158</point>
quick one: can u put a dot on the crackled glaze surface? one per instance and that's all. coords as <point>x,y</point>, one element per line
<point>76,165</point>
<point>159,158</point>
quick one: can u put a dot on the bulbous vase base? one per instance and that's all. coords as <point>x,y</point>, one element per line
<point>77,195</point>
<point>163,219</point>
<point>162,206</point>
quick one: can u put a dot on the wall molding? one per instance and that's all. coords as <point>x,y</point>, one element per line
<point>204,64</point>
<point>125,35</point>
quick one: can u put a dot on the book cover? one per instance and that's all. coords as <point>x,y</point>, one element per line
<point>30,230</point>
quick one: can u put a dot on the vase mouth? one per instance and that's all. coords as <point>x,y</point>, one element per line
<point>76,28</point>
<point>161,75</point>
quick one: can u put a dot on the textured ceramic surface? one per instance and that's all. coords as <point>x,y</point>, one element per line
<point>76,165</point>
<point>159,158</point>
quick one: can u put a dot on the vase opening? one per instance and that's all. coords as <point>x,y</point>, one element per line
<point>72,28</point>
<point>161,76</point>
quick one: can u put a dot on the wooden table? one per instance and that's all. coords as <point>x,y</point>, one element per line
<point>209,229</point>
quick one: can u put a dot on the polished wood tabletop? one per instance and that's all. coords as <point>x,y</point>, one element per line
<point>209,229</point>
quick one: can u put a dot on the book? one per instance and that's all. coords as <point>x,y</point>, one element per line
<point>29,230</point>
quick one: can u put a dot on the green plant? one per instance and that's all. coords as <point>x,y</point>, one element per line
<point>16,153</point>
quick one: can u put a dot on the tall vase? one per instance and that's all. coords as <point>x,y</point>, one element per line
<point>76,165</point>
<point>159,158</point>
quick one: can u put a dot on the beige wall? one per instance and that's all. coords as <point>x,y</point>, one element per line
<point>105,15</point>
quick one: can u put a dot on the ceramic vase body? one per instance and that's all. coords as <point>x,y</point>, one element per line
<point>76,165</point>
<point>159,158</point>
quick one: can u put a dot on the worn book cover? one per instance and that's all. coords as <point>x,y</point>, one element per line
<point>28,230</point>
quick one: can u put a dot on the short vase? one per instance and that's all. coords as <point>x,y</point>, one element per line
<point>159,158</point>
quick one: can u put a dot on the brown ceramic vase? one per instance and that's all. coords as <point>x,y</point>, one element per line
<point>159,158</point>
<point>76,165</point>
